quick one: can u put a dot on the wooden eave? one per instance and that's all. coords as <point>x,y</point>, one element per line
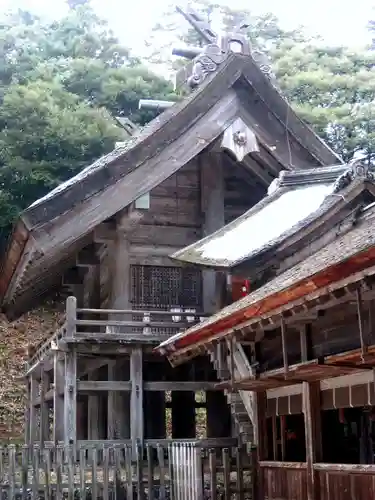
<point>60,220</point>
<point>310,371</point>
<point>357,262</point>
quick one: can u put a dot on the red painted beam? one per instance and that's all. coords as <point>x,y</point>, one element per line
<point>328,276</point>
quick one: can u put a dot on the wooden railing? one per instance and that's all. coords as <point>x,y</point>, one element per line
<point>134,324</point>
<point>116,324</point>
<point>288,481</point>
<point>284,480</point>
<point>110,472</point>
<point>345,481</point>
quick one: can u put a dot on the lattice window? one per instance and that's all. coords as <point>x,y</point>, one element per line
<point>163,288</point>
<point>170,289</point>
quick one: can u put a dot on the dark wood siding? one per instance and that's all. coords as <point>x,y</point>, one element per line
<point>242,190</point>
<point>285,481</point>
<point>347,484</point>
<point>176,201</point>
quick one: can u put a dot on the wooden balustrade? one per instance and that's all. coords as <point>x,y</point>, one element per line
<point>109,471</point>
<point>126,325</point>
<point>288,481</point>
<point>135,324</point>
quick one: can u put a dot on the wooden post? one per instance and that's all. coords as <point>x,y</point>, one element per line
<point>364,347</point>
<point>313,435</point>
<point>136,406</point>
<point>118,406</point>
<point>71,316</point>
<point>119,418</point>
<point>111,404</point>
<point>70,397</point>
<point>260,435</point>
<point>304,334</point>
<point>212,203</point>
<point>33,415</point>
<point>44,408</point>
<point>283,346</point>
<point>58,399</point>
<point>27,410</point>
<point>93,411</point>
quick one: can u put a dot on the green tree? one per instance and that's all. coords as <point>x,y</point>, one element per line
<point>61,84</point>
<point>47,135</point>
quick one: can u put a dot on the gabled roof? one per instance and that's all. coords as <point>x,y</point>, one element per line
<point>350,252</point>
<point>293,200</point>
<point>53,228</point>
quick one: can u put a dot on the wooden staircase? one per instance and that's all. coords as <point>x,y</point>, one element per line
<point>241,402</point>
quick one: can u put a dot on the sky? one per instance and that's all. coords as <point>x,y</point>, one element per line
<point>339,22</point>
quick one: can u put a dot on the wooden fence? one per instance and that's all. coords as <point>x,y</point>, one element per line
<point>177,471</point>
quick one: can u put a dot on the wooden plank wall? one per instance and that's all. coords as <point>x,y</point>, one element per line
<point>175,212</point>
<point>174,217</point>
<point>335,332</point>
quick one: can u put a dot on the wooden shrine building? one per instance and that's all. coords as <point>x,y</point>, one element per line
<point>300,346</point>
<point>107,236</point>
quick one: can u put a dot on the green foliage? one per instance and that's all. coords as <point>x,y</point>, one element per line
<point>61,85</point>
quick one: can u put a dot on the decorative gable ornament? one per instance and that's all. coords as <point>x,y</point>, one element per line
<point>205,63</point>
<point>239,139</point>
<point>356,170</point>
<point>212,55</point>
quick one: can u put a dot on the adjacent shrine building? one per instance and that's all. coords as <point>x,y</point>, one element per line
<point>300,347</point>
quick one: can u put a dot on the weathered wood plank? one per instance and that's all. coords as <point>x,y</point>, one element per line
<point>136,407</point>
<point>58,398</point>
<point>44,408</point>
<point>212,201</point>
<point>93,413</point>
<point>124,386</point>
<point>313,435</point>
<point>70,397</point>
<point>174,236</point>
<point>33,413</point>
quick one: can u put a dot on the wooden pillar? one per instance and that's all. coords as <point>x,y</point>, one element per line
<point>218,415</point>
<point>70,397</point>
<point>93,416</point>
<point>118,424</point>
<point>27,410</point>
<point>313,434</point>
<point>58,398</point>
<point>212,204</point>
<point>183,414</point>
<point>260,437</point>
<point>119,404</point>
<point>136,406</point>
<point>111,404</point>
<point>44,408</point>
<point>33,433</point>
